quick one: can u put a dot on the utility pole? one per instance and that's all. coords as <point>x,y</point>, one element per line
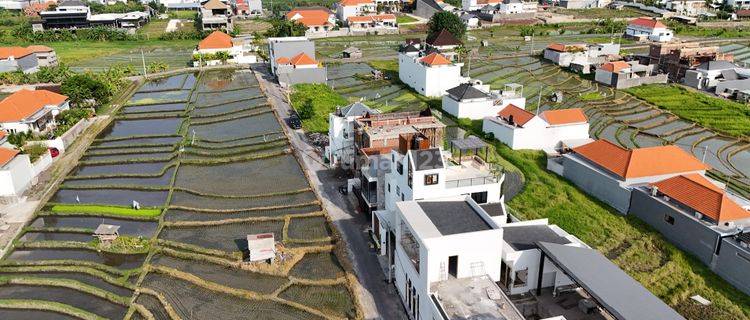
<point>705,151</point>
<point>531,49</point>
<point>539,99</point>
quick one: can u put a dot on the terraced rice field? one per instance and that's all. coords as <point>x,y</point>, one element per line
<point>205,154</point>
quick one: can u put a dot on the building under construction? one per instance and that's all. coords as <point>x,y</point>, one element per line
<point>676,58</point>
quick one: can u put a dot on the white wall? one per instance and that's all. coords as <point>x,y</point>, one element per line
<point>340,148</point>
<point>472,109</point>
<point>535,134</point>
<point>16,176</point>
<point>428,81</point>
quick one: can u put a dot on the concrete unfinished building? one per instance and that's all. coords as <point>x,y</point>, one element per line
<point>676,58</point>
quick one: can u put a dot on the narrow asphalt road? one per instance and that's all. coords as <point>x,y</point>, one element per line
<point>379,299</point>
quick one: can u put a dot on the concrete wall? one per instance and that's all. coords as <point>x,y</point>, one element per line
<point>303,75</point>
<point>733,264</point>
<point>289,49</point>
<point>687,233</point>
<point>624,83</point>
<point>596,183</point>
<point>731,86</point>
<point>16,176</point>
<point>428,81</point>
<point>536,134</point>
<point>472,109</point>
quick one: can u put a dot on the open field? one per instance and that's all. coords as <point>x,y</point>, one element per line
<point>202,191</point>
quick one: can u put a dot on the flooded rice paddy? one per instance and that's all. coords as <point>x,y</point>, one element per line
<point>207,152</point>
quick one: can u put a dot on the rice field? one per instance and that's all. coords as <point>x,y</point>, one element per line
<point>205,153</point>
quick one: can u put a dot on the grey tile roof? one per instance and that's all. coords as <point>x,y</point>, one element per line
<point>453,217</point>
<point>615,291</point>
<point>71,3</point>
<point>409,48</point>
<point>717,65</point>
<point>427,159</point>
<point>356,109</point>
<point>494,209</point>
<point>526,237</point>
<point>467,91</point>
<point>444,38</point>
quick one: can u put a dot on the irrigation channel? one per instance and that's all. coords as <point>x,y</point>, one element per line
<point>613,114</point>
<point>208,162</point>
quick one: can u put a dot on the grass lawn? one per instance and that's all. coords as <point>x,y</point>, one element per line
<point>402,18</point>
<point>640,251</point>
<point>186,14</point>
<point>603,13</point>
<point>97,209</point>
<point>714,113</point>
<point>323,100</point>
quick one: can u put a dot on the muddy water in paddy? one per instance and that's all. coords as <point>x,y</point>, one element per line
<point>115,169</point>
<point>126,128</point>
<point>121,197</point>
<point>137,141</point>
<point>11,314</point>
<point>67,296</point>
<point>120,261</point>
<point>162,180</point>
<point>162,107</point>
<point>57,236</point>
<point>77,276</point>
<point>169,83</point>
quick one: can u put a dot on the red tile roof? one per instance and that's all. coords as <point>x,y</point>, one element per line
<point>564,116</point>
<point>647,22</point>
<point>371,18</point>
<point>216,40</point>
<point>302,60</point>
<point>282,60</point>
<point>642,162</point>
<point>520,116</point>
<point>40,48</point>
<point>6,155</point>
<point>615,66</point>
<point>698,193</point>
<point>351,3</point>
<point>15,52</point>
<point>310,17</point>
<point>24,103</point>
<point>435,59</point>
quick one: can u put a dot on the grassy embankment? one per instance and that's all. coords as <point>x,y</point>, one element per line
<point>718,114</point>
<point>323,100</point>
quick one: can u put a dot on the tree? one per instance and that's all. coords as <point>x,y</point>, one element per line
<point>306,110</point>
<point>222,56</point>
<point>286,28</point>
<point>81,88</point>
<point>448,21</point>
<point>157,66</point>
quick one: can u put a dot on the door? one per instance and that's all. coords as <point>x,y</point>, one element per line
<point>453,266</point>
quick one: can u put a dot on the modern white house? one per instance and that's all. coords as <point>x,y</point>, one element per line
<point>316,20</point>
<point>341,149</point>
<point>623,75</point>
<point>581,57</point>
<point>430,75</point>
<point>31,110</point>
<point>376,23</point>
<point>16,174</point>
<point>521,129</point>
<point>709,74</point>
<point>646,28</point>
<point>609,172</point>
<point>476,101</point>
<point>351,8</point>
<point>216,15</point>
<point>240,51</point>
<point>474,5</point>
<point>438,258</point>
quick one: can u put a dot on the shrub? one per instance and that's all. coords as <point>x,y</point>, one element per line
<point>68,118</point>
<point>35,151</point>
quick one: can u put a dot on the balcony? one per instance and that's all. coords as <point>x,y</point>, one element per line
<point>471,171</point>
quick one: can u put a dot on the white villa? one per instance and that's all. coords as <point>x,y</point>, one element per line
<point>429,75</point>
<point>16,174</point>
<point>341,149</point>
<point>31,110</point>
<point>351,8</point>
<point>521,129</point>
<point>650,29</point>
<point>475,101</point>
<point>239,50</point>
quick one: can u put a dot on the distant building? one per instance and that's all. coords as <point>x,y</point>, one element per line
<point>691,8</point>
<point>473,101</point>
<point>609,172</point>
<point>75,14</point>
<point>248,8</point>
<point>182,4</point>
<point>31,110</point>
<point>45,56</point>
<point>709,74</point>
<point>239,50</point>
<point>18,59</point>
<point>427,8</point>
<point>581,57</point>
<point>648,29</point>
<point>584,4</point>
<point>380,23</point>
<point>351,53</point>
<point>675,59</point>
<point>351,8</point>
<point>622,75</point>
<point>470,20</point>
<point>521,129</point>
<point>444,43</point>
<point>316,20</point>
<point>341,133</point>
<point>737,4</point>
<point>293,61</point>
<point>16,175</point>
<point>216,15</point>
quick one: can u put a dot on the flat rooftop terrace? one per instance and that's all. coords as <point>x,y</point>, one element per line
<point>453,217</point>
<point>473,298</point>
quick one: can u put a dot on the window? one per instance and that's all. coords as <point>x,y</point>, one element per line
<point>521,277</point>
<point>389,188</point>
<point>669,219</point>
<point>431,179</point>
<point>398,191</point>
<point>400,168</point>
<point>402,197</point>
<point>479,197</point>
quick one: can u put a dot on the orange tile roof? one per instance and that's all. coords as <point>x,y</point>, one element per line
<point>435,59</point>
<point>302,60</point>
<point>40,48</point>
<point>216,40</point>
<point>7,154</point>
<point>282,60</point>
<point>615,66</point>
<point>24,103</point>
<point>310,17</point>
<point>696,192</point>
<point>351,3</point>
<point>3,134</point>
<point>215,5</point>
<point>559,47</point>
<point>520,116</point>
<point>647,22</point>
<point>15,52</point>
<point>642,162</point>
<point>564,116</point>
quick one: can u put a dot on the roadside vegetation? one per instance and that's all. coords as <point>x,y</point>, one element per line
<point>313,103</point>
<point>719,114</point>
